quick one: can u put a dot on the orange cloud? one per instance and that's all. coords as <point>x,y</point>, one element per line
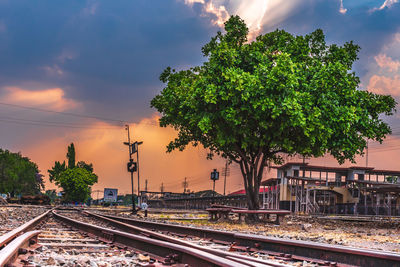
<point>102,146</point>
<point>53,98</point>
<point>219,12</point>
<point>386,62</point>
<point>384,85</point>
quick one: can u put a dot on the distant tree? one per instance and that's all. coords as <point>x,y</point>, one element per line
<point>71,156</point>
<point>76,184</point>
<point>252,102</point>
<point>75,180</point>
<point>19,175</point>
<point>84,165</point>
<point>52,194</point>
<point>56,170</point>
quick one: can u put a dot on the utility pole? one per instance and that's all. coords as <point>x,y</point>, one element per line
<point>145,188</point>
<point>162,188</point>
<point>185,185</point>
<point>138,175</point>
<point>226,173</point>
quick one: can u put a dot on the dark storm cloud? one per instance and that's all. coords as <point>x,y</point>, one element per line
<point>107,54</point>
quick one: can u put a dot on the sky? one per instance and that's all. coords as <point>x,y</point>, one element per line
<point>77,71</point>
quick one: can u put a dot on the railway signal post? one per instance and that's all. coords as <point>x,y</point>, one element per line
<point>131,166</point>
<point>214,177</point>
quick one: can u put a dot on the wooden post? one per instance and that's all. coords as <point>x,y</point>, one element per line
<point>264,197</point>
<point>301,197</point>
<point>377,203</point>
<point>365,201</point>
<point>290,189</point>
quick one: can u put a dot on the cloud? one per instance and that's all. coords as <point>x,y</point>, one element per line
<point>386,4</point>
<point>191,2</point>
<point>53,98</point>
<point>342,9</point>
<point>384,85</point>
<point>386,62</point>
<point>219,12</point>
<point>105,149</point>
<point>256,13</point>
<point>53,70</point>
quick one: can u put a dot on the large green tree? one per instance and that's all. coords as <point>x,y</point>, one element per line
<point>19,175</point>
<point>252,102</point>
<point>75,179</point>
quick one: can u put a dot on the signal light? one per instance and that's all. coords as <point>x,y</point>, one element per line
<point>132,166</point>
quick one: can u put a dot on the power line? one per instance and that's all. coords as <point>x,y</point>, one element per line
<point>44,121</point>
<point>62,113</point>
<point>54,125</point>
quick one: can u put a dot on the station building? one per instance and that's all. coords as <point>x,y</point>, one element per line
<point>311,189</point>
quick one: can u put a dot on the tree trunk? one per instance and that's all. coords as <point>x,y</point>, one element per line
<point>252,175</point>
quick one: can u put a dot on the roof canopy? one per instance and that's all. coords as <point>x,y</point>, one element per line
<point>308,167</point>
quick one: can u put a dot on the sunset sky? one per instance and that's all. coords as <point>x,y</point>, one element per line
<point>77,71</point>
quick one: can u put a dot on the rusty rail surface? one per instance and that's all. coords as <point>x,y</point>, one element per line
<point>326,252</point>
<point>13,249</point>
<point>250,261</point>
<point>187,255</point>
<point>9,236</point>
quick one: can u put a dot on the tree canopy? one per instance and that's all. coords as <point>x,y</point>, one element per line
<point>76,183</point>
<point>19,175</point>
<point>251,102</point>
<point>75,180</point>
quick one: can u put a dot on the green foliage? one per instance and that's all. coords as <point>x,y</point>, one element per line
<point>76,184</point>
<point>19,175</point>
<point>71,156</point>
<point>76,181</point>
<point>84,165</point>
<point>251,102</point>
<point>56,170</point>
<point>392,179</point>
<point>52,194</point>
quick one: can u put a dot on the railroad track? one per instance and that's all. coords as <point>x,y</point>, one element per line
<point>60,239</point>
<point>284,249</point>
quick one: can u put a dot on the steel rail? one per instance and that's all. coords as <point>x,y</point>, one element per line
<point>9,236</point>
<point>327,252</point>
<point>13,249</point>
<point>187,255</point>
<point>250,261</point>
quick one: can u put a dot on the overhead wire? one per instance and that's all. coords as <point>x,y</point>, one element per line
<point>63,113</point>
<point>47,124</point>
<point>44,123</point>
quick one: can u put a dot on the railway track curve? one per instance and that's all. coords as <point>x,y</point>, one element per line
<point>325,254</point>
